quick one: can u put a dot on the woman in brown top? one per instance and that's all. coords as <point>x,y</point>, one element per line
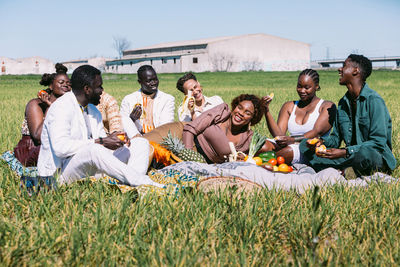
<point>212,131</point>
<point>27,149</point>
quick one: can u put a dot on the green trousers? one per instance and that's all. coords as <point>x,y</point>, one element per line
<point>364,162</point>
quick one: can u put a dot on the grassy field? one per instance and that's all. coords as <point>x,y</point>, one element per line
<point>95,224</point>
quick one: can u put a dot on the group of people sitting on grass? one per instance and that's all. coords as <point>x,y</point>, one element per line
<point>74,129</point>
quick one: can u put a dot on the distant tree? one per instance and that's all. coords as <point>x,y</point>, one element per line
<point>222,61</point>
<point>252,65</point>
<point>120,44</point>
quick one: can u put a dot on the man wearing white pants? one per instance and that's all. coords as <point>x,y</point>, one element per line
<point>74,144</point>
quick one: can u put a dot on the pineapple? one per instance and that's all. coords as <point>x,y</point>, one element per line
<point>176,146</point>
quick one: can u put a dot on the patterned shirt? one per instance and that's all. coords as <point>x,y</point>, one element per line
<point>109,109</point>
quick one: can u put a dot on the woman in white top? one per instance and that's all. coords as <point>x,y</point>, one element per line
<point>194,102</point>
<point>308,117</point>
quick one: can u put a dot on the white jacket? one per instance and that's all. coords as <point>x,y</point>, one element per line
<point>64,133</point>
<point>163,111</point>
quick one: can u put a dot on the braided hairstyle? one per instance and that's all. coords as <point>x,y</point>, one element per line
<point>257,103</point>
<point>183,79</point>
<point>313,74</point>
<point>363,63</point>
<point>47,78</point>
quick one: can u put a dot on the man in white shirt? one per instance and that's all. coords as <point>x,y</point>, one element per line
<point>74,144</point>
<point>147,108</point>
<point>194,102</point>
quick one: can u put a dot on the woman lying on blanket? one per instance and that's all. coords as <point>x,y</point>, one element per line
<point>27,149</point>
<point>308,117</point>
<point>211,132</point>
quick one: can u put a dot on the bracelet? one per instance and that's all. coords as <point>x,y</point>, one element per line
<point>101,140</point>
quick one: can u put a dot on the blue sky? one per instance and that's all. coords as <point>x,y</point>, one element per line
<point>77,29</point>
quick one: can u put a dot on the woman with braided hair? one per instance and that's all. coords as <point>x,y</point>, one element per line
<point>27,149</point>
<point>307,117</point>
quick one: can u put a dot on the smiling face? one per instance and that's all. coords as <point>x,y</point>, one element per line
<point>306,88</point>
<point>194,87</point>
<point>94,92</point>
<point>347,72</point>
<point>149,82</point>
<point>243,113</point>
<point>60,85</point>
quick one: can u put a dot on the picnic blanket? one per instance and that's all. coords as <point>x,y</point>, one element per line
<point>187,174</point>
<point>302,178</point>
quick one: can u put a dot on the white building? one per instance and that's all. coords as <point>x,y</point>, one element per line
<point>29,65</point>
<point>234,53</point>
<point>97,62</point>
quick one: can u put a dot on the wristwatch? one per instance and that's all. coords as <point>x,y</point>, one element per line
<point>101,140</point>
<point>347,152</point>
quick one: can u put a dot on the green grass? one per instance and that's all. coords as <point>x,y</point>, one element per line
<point>93,224</point>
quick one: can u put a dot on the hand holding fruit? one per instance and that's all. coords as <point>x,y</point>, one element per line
<point>266,100</point>
<point>136,112</point>
<point>191,104</point>
<point>44,97</point>
<point>332,153</point>
<point>124,138</point>
<point>113,141</point>
<point>313,143</point>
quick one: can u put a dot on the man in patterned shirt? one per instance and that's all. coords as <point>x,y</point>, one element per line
<point>109,109</point>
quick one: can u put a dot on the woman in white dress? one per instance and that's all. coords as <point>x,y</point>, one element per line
<point>307,117</point>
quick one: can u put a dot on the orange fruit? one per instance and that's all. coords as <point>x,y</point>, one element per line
<point>280,160</point>
<point>42,92</point>
<point>121,137</point>
<point>245,158</point>
<point>258,160</point>
<point>273,162</point>
<point>283,168</point>
<point>290,168</point>
<point>321,148</point>
<point>312,141</point>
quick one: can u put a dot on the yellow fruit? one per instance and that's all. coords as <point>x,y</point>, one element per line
<point>283,168</point>
<point>276,168</point>
<point>312,141</point>
<point>321,148</point>
<point>245,158</point>
<point>121,137</point>
<point>271,95</point>
<point>258,160</point>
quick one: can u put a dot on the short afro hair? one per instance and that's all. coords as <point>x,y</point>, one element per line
<point>258,106</point>
<point>363,63</point>
<point>143,69</point>
<point>183,79</point>
<point>82,76</point>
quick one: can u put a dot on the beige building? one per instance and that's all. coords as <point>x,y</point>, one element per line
<point>29,65</point>
<point>249,52</point>
<point>97,62</point>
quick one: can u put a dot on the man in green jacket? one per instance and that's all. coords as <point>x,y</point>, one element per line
<point>362,121</point>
